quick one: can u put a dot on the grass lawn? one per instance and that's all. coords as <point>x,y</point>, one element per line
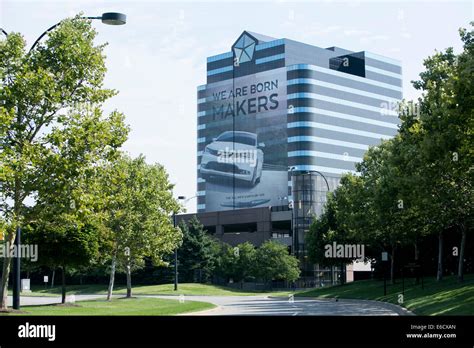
<point>133,306</point>
<point>447,297</point>
<point>163,289</point>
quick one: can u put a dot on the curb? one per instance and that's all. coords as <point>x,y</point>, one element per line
<point>204,312</point>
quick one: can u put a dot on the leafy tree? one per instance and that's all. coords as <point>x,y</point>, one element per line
<point>39,90</point>
<point>237,263</point>
<point>62,245</point>
<point>339,223</point>
<point>382,186</point>
<point>138,205</point>
<point>197,252</point>
<point>273,262</point>
<point>444,132</point>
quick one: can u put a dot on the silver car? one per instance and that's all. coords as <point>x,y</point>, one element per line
<point>233,154</point>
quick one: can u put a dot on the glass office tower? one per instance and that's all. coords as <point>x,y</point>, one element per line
<point>274,104</point>
<point>279,122</point>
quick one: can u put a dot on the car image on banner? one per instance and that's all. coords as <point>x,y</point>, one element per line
<point>233,155</point>
<point>243,142</point>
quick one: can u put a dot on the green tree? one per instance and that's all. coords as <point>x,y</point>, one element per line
<point>382,199</point>
<point>273,262</point>
<point>197,257</point>
<point>65,246</point>
<point>331,227</point>
<point>138,206</point>
<point>237,263</point>
<point>39,90</point>
<point>444,134</point>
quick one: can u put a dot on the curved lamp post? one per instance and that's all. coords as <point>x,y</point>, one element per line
<point>110,18</point>
<point>325,180</point>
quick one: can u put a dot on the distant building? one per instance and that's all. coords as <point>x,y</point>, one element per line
<point>278,122</point>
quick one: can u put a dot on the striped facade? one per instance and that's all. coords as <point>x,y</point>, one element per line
<point>338,104</point>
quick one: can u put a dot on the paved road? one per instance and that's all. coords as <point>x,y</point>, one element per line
<point>263,305</point>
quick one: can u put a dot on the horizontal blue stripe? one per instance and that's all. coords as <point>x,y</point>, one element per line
<point>219,57</point>
<point>270,58</point>
<point>270,44</point>
<point>220,70</point>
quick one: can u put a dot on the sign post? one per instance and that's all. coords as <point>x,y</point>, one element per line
<point>384,260</point>
<point>45,280</point>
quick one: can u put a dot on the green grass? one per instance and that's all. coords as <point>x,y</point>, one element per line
<point>132,306</point>
<point>447,297</point>
<point>163,289</point>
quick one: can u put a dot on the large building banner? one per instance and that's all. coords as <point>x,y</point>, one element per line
<point>244,160</point>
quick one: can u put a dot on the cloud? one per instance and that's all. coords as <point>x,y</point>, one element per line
<point>356,32</point>
<point>371,39</point>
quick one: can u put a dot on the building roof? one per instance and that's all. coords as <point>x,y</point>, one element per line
<point>260,37</point>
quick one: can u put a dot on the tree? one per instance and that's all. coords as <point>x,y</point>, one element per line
<point>385,205</point>
<point>273,262</point>
<point>197,253</point>
<point>445,153</point>
<point>138,205</point>
<point>65,246</point>
<point>38,90</point>
<point>339,223</point>
<point>237,263</point>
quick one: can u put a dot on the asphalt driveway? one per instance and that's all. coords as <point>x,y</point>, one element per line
<point>262,305</point>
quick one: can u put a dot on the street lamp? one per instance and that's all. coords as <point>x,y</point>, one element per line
<point>184,200</point>
<point>110,18</point>
<point>316,171</point>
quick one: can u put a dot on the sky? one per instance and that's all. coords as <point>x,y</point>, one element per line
<point>158,58</point>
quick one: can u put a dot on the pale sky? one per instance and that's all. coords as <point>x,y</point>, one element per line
<point>158,58</point>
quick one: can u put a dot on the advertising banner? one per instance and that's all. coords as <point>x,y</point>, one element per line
<point>244,160</point>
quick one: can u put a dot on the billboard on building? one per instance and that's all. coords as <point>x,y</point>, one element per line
<point>244,157</point>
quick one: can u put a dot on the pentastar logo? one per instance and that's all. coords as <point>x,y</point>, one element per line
<point>243,49</point>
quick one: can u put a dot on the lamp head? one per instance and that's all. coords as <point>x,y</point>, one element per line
<point>114,18</point>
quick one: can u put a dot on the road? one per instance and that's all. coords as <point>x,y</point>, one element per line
<point>262,305</point>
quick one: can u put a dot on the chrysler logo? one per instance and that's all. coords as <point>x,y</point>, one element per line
<point>244,48</point>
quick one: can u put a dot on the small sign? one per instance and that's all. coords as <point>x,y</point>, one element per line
<point>384,256</point>
<point>45,279</point>
<point>71,299</point>
<point>25,285</point>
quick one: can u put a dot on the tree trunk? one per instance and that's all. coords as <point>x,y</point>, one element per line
<point>439,275</point>
<point>129,280</point>
<point>63,285</point>
<point>342,274</point>
<point>52,278</point>
<point>392,265</point>
<point>417,256</point>
<point>112,277</point>
<point>5,273</point>
<point>10,238</point>
<point>461,255</point>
